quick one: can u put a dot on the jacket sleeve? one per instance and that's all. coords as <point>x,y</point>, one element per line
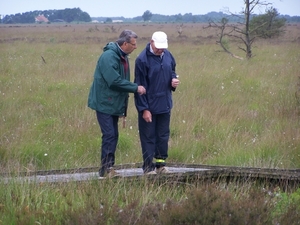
<point>140,78</point>
<point>174,75</point>
<point>113,77</point>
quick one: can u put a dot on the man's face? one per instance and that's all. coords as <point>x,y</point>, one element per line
<point>156,51</point>
<point>129,47</point>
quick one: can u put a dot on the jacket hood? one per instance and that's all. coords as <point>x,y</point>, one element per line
<point>112,46</point>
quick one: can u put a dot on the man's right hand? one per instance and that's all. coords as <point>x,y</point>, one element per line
<point>141,90</point>
<point>147,116</point>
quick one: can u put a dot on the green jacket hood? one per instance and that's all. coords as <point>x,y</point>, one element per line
<point>114,47</point>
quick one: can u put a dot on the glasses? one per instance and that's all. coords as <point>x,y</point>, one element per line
<point>133,44</point>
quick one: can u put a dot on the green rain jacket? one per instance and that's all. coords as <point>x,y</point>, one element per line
<point>111,85</point>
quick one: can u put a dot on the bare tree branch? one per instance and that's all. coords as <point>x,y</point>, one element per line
<point>240,31</point>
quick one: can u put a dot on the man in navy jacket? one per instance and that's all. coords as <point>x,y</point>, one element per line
<point>155,70</point>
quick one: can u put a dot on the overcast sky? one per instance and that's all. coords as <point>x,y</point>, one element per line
<point>133,8</point>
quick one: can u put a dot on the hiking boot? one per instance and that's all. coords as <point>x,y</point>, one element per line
<point>111,173</point>
<point>150,172</point>
<point>162,170</point>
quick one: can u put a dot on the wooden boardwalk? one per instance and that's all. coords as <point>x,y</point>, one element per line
<point>84,176</point>
<point>285,178</point>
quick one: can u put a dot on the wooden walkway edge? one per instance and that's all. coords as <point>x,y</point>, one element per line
<point>285,178</point>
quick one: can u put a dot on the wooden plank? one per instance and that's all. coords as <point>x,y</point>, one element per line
<point>285,178</point>
<point>84,176</point>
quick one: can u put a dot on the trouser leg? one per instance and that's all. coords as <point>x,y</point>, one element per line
<point>110,134</point>
<point>147,138</point>
<point>162,138</point>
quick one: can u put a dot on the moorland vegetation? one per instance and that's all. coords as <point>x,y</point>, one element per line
<point>226,112</point>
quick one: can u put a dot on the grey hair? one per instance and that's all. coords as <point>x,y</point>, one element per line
<point>126,36</point>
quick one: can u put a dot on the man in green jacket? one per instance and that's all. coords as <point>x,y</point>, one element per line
<point>109,94</point>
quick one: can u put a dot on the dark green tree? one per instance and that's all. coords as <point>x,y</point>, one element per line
<point>85,17</point>
<point>7,19</point>
<point>108,20</point>
<point>267,25</point>
<point>69,15</point>
<point>147,15</point>
<point>179,17</point>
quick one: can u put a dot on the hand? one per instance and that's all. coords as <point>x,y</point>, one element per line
<point>147,116</point>
<point>141,90</point>
<point>175,82</point>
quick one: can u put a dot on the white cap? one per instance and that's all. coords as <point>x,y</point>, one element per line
<point>160,39</point>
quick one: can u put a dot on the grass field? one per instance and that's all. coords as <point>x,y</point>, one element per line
<point>226,111</point>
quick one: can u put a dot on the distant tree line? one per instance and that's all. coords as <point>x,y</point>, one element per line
<point>68,15</point>
<point>190,18</point>
<point>75,14</point>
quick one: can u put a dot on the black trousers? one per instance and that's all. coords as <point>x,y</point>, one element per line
<point>110,135</point>
<point>154,137</point>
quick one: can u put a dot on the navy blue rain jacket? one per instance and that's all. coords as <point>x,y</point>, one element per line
<point>155,74</point>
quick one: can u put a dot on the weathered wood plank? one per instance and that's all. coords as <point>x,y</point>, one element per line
<point>285,178</point>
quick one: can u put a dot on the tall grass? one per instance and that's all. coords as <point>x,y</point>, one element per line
<point>226,112</point>
<point>144,201</point>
